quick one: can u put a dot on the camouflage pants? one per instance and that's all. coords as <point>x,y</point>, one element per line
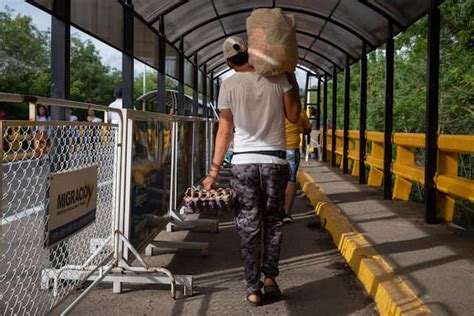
<point>260,195</point>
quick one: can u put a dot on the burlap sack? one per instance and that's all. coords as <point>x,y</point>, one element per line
<point>272,41</point>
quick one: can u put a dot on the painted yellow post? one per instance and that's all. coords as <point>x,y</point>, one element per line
<point>353,155</point>
<point>328,145</point>
<point>339,147</point>
<point>375,158</point>
<point>448,183</point>
<point>404,168</point>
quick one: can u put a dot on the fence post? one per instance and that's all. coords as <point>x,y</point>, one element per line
<point>363,115</point>
<point>325,117</point>
<point>181,77</point>
<point>60,56</point>
<point>127,54</point>
<point>334,117</point>
<point>432,91</point>
<point>389,65</point>
<point>347,99</point>
<point>161,90</point>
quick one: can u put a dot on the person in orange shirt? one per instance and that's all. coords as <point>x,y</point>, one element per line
<point>293,132</point>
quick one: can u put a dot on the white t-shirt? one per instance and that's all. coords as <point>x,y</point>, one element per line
<point>114,117</point>
<point>257,107</point>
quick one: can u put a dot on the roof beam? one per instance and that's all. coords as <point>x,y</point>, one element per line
<point>299,46</point>
<point>287,9</point>
<point>204,45</point>
<point>381,12</point>
<point>300,58</point>
<point>165,12</point>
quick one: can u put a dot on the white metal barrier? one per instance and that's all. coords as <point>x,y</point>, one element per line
<point>37,279</point>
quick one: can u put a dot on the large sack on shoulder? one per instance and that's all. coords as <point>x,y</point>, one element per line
<point>272,41</point>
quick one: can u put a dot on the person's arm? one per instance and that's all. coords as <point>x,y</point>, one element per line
<point>305,123</point>
<point>223,139</point>
<point>291,100</point>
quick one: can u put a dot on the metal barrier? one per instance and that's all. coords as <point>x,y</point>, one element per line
<point>375,158</point>
<point>353,154</point>
<point>35,277</point>
<point>405,170</point>
<point>145,161</point>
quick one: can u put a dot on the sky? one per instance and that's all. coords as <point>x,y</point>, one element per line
<point>109,55</point>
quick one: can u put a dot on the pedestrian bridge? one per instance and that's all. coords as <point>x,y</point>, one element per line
<point>358,246</point>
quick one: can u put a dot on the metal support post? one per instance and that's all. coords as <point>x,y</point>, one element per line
<point>306,92</point>
<point>432,103</point>
<point>334,117</point>
<point>218,88</point>
<point>181,77</point>
<point>325,118</point>
<point>204,92</point>
<point>363,114</point>
<point>318,105</point>
<point>60,55</point>
<point>195,86</point>
<point>211,93</point>
<point>161,90</point>
<point>387,162</point>
<point>347,100</point>
<point>127,55</point>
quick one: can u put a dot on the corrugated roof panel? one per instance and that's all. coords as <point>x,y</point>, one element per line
<point>224,6</point>
<point>145,44</point>
<point>321,6</point>
<point>195,40</point>
<point>150,10</point>
<point>346,40</point>
<point>234,23</point>
<point>363,20</point>
<point>186,16</point>
<point>330,52</point>
<point>405,11</point>
<point>101,18</point>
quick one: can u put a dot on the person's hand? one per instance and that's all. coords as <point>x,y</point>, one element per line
<point>208,183</point>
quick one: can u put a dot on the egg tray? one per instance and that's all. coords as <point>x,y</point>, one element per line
<point>199,200</point>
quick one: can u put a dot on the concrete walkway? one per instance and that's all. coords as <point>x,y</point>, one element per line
<point>314,277</point>
<point>436,261</point>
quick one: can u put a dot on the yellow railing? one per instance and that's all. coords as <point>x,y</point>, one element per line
<point>404,168</point>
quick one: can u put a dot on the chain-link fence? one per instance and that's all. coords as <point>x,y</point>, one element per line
<point>35,278</point>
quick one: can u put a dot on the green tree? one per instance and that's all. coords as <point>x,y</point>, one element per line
<point>91,80</point>
<point>24,60</point>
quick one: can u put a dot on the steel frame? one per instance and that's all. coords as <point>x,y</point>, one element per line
<point>334,117</point>
<point>432,109</point>
<point>389,68</point>
<point>287,9</point>
<point>347,103</point>
<point>363,115</point>
<point>325,118</point>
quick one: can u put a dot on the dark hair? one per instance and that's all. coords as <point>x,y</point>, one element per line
<point>118,92</point>
<point>239,59</point>
<point>45,109</point>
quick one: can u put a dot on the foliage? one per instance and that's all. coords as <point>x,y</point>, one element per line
<point>24,60</point>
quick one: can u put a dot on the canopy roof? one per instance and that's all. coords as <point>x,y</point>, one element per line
<point>330,33</point>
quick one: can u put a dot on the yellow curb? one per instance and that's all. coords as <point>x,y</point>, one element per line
<point>390,293</point>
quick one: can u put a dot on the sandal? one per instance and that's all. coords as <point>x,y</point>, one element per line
<point>272,292</point>
<point>256,303</point>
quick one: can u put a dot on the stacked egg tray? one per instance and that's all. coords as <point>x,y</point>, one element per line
<point>202,201</point>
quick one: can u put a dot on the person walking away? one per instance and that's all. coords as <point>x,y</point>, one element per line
<point>256,107</point>
<point>293,140</point>
<point>114,118</point>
